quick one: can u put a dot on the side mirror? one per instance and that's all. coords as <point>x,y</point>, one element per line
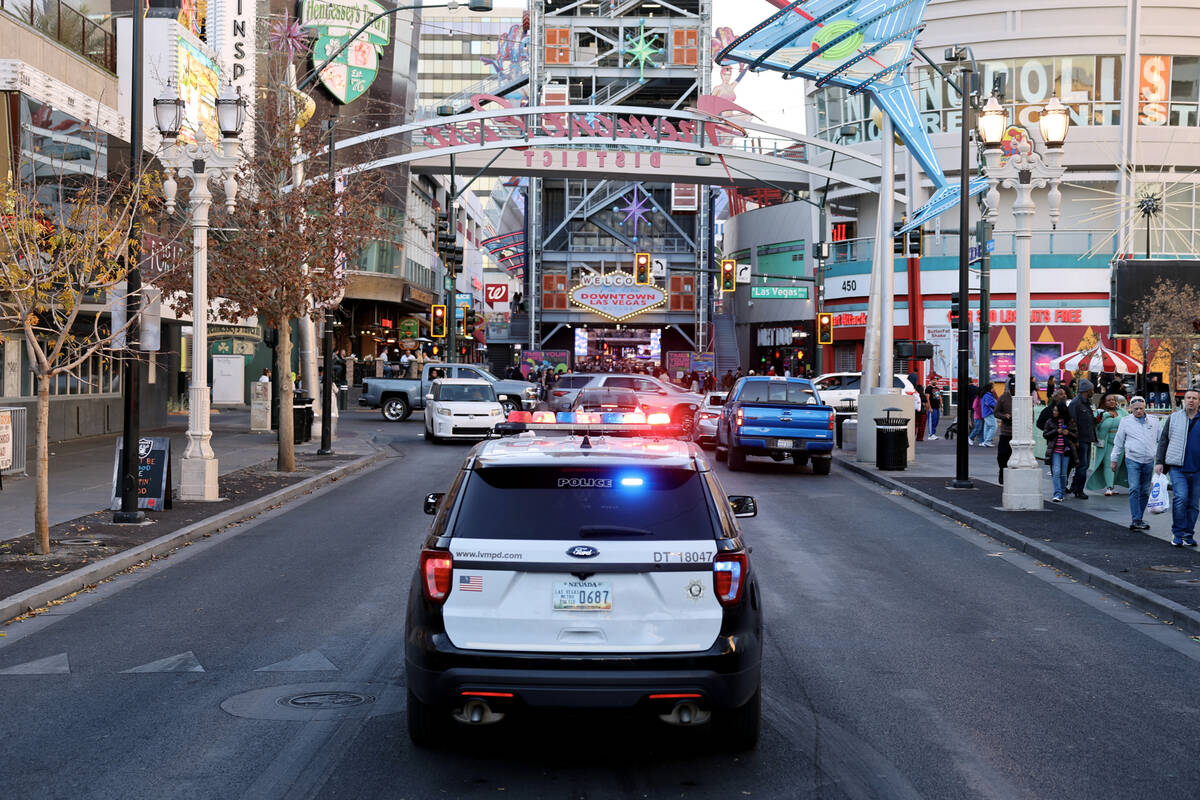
<point>429,396</point>
<point>743,505</point>
<point>431,502</point>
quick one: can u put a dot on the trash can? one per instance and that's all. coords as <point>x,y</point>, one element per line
<point>343,398</point>
<point>302,418</point>
<point>891,440</point>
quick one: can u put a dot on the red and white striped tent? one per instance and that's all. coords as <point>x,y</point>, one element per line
<point>1098,359</point>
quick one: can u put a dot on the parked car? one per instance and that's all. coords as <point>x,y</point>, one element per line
<point>566,386</point>
<point>776,417</point>
<point>657,396</point>
<point>704,432</point>
<point>461,409</point>
<point>603,399</point>
<point>399,397</point>
<point>836,388</point>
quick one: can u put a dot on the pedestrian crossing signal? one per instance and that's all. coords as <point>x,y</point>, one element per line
<point>824,328</point>
<point>437,322</point>
<point>641,269</point>
<point>728,275</point>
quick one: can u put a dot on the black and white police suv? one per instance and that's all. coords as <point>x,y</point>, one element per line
<point>585,569</point>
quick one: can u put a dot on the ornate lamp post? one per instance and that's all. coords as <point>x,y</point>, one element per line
<point>1024,171</point>
<point>201,162</point>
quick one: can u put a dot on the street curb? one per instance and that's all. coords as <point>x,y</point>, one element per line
<point>72,582</point>
<point>1143,599</point>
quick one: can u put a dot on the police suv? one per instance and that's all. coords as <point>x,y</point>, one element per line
<point>576,565</point>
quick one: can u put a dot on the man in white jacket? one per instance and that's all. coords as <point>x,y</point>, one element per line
<point>1137,439</point>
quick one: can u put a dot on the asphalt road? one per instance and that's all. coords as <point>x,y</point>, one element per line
<point>906,657</point>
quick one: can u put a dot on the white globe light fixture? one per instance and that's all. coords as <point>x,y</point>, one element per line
<point>993,121</point>
<point>168,112</point>
<point>1054,123</point>
<point>231,112</point>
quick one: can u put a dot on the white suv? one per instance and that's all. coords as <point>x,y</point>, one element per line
<point>461,409</point>
<point>585,572</point>
<point>836,388</point>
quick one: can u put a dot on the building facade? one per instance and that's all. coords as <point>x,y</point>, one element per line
<point>1129,73</point>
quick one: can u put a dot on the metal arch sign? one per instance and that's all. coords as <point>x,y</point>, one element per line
<point>616,296</point>
<point>355,69</point>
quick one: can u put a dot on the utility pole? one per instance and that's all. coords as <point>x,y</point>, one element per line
<point>983,233</point>
<point>966,75</point>
<point>451,277</point>
<point>130,368</point>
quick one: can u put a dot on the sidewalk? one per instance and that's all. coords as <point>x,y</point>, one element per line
<point>81,470</point>
<point>1088,539</point>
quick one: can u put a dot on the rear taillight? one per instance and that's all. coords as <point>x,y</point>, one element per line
<point>729,575</point>
<point>831,418</point>
<point>738,418</point>
<point>437,567</point>
<point>558,393</point>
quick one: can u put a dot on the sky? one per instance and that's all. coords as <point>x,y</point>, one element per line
<point>776,101</point>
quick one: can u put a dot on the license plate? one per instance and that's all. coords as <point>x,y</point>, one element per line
<point>783,443</point>
<point>583,596</point>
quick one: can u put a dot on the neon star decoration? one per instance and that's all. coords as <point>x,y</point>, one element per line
<point>289,36</point>
<point>860,45</point>
<point>638,210</point>
<point>641,49</point>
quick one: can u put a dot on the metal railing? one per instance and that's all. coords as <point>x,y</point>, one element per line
<point>1062,242</point>
<point>68,27</point>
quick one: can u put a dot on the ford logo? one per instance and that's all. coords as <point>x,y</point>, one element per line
<point>583,551</point>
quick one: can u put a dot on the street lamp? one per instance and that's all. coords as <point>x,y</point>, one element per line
<point>201,162</point>
<point>1024,171</point>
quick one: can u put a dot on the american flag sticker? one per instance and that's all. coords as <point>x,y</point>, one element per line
<point>470,583</point>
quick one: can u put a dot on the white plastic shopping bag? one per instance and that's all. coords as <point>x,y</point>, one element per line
<point>1159,501</point>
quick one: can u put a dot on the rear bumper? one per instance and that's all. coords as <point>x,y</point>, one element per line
<point>725,675</point>
<point>768,444</point>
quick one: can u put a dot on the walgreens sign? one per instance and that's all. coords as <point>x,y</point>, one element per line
<point>615,296</point>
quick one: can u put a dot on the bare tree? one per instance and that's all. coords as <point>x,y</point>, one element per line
<point>284,258</point>
<point>64,249</point>
<point>1172,310</point>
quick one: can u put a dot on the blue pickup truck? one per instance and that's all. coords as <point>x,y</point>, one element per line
<point>775,417</point>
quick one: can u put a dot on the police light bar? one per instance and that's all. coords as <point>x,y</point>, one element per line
<point>596,423</point>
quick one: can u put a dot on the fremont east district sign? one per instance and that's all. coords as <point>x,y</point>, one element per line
<point>615,296</point>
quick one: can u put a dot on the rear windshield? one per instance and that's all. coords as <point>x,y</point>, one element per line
<point>572,381</point>
<point>602,503</point>
<point>778,392</point>
<point>467,394</point>
<point>598,398</point>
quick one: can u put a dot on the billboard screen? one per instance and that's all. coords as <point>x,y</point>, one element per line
<point>196,76</point>
<point>1132,279</point>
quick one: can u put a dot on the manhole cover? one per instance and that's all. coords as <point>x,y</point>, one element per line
<point>322,700</point>
<point>1168,568</point>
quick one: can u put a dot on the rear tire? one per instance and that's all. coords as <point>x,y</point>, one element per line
<point>720,453</point>
<point>508,406</point>
<point>396,409</point>
<point>737,458</point>
<point>738,728</point>
<point>821,466</point>
<point>428,435</point>
<point>799,460</point>
<point>426,724</point>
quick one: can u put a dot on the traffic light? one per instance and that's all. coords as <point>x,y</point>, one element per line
<point>899,242</point>
<point>914,242</point>
<point>468,321</point>
<point>728,275</point>
<point>824,328</point>
<point>444,240</point>
<point>641,269</point>
<point>955,309</point>
<point>437,322</point>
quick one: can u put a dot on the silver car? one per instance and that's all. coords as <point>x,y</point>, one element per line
<point>562,394</point>
<point>704,429</point>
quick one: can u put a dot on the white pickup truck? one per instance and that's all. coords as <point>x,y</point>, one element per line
<point>399,397</point>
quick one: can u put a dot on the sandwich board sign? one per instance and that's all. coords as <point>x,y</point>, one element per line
<point>154,474</point>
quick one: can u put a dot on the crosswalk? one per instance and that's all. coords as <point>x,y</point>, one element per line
<point>60,664</point>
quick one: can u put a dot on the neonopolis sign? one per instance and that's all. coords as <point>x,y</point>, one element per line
<point>615,296</point>
<point>579,127</point>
